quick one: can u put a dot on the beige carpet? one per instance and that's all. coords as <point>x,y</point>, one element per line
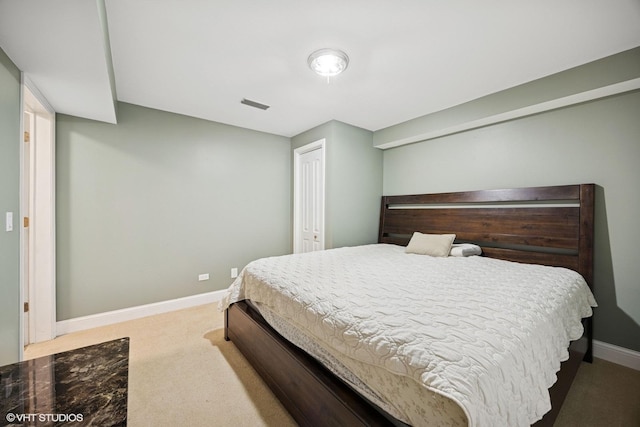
<point>182,372</point>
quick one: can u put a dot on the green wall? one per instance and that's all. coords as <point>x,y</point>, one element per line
<point>594,142</point>
<point>9,202</point>
<point>612,70</point>
<point>146,205</point>
<point>353,182</point>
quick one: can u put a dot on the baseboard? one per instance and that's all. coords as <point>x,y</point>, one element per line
<point>602,350</point>
<point>620,355</point>
<point>110,317</point>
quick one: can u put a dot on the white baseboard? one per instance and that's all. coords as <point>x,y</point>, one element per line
<point>602,350</point>
<point>613,353</point>
<point>116,316</point>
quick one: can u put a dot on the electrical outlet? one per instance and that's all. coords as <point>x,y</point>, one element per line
<point>234,272</point>
<point>204,276</point>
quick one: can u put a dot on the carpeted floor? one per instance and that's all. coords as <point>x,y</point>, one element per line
<point>182,372</point>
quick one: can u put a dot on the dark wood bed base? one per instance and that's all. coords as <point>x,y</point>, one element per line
<point>515,224</point>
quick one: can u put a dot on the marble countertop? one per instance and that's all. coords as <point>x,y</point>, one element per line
<point>86,386</point>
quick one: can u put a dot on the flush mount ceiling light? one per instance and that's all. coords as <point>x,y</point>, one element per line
<point>328,62</point>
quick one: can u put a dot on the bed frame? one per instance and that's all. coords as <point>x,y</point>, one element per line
<point>537,225</point>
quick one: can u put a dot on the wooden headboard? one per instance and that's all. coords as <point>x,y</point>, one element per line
<point>536,225</point>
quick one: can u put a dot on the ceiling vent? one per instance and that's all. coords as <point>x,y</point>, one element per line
<point>254,104</point>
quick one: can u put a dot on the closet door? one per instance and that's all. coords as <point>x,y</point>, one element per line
<point>309,198</point>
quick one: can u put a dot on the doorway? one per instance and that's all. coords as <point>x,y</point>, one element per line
<point>309,197</point>
<point>37,208</point>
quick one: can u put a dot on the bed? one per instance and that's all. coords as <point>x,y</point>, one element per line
<point>527,228</point>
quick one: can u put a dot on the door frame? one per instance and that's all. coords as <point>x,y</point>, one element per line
<point>38,269</point>
<point>316,145</point>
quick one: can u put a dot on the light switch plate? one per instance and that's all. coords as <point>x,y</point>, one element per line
<point>9,221</point>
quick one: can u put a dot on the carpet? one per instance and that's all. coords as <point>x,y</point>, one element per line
<point>182,372</point>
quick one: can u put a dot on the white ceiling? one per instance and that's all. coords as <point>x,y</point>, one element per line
<point>202,57</point>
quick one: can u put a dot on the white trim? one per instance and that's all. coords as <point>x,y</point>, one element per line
<point>542,107</point>
<point>620,355</point>
<point>23,261</point>
<point>38,95</point>
<point>319,144</point>
<point>609,352</point>
<point>131,313</point>
<point>37,268</point>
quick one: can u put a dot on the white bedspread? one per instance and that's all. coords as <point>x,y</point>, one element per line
<point>486,333</point>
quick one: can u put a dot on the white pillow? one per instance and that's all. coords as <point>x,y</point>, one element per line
<point>465,249</point>
<point>430,244</point>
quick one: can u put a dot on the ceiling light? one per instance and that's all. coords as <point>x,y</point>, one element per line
<point>328,62</point>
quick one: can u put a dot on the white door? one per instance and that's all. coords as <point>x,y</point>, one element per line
<point>309,198</point>
<point>38,219</point>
